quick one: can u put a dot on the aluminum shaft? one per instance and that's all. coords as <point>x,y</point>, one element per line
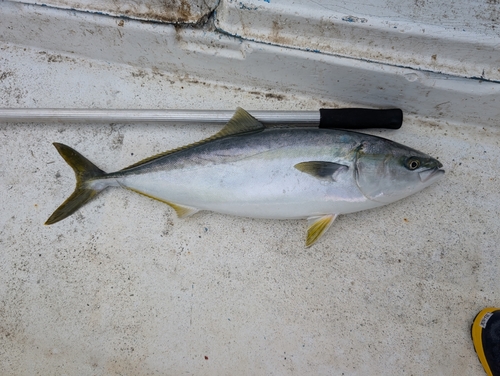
<point>26,115</point>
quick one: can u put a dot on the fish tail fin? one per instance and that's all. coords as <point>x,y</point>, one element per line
<point>83,193</point>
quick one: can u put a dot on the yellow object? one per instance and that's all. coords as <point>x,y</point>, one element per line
<point>477,335</point>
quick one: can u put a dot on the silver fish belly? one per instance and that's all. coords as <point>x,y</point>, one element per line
<point>278,173</point>
<point>254,176</point>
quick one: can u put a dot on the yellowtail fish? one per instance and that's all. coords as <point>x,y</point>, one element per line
<point>280,173</point>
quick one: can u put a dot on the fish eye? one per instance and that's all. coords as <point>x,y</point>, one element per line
<point>413,164</point>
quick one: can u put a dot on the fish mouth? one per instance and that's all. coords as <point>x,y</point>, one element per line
<point>431,174</point>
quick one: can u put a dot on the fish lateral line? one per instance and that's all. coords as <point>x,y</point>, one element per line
<point>242,123</point>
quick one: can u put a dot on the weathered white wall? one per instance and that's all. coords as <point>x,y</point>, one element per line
<point>173,11</point>
<point>459,37</point>
<point>207,55</point>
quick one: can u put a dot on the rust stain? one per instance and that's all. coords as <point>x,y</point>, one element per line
<point>178,32</point>
<point>4,75</point>
<point>276,30</point>
<point>184,11</point>
<point>169,11</point>
<point>59,59</point>
<point>54,59</point>
<point>278,97</point>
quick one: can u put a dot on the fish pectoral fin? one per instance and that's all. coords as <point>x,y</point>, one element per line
<point>182,210</point>
<point>317,226</point>
<point>322,170</point>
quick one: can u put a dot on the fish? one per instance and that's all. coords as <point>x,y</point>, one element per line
<point>249,170</point>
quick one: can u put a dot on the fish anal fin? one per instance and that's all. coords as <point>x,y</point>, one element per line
<point>241,123</point>
<point>321,169</point>
<point>182,211</point>
<point>317,226</point>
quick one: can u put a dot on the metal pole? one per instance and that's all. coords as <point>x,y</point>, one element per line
<point>311,118</point>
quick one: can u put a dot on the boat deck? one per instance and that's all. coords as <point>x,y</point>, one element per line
<point>123,287</point>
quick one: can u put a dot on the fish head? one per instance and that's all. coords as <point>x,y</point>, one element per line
<point>387,171</point>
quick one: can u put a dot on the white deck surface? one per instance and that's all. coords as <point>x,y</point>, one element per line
<point>123,287</point>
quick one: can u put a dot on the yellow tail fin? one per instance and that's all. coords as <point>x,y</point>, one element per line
<point>84,171</point>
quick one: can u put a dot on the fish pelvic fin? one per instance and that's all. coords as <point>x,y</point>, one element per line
<point>85,171</point>
<point>317,226</point>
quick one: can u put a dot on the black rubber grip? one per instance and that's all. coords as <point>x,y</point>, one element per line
<point>360,118</point>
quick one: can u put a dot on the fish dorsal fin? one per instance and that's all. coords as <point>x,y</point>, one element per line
<point>317,226</point>
<point>241,123</point>
<point>322,170</point>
